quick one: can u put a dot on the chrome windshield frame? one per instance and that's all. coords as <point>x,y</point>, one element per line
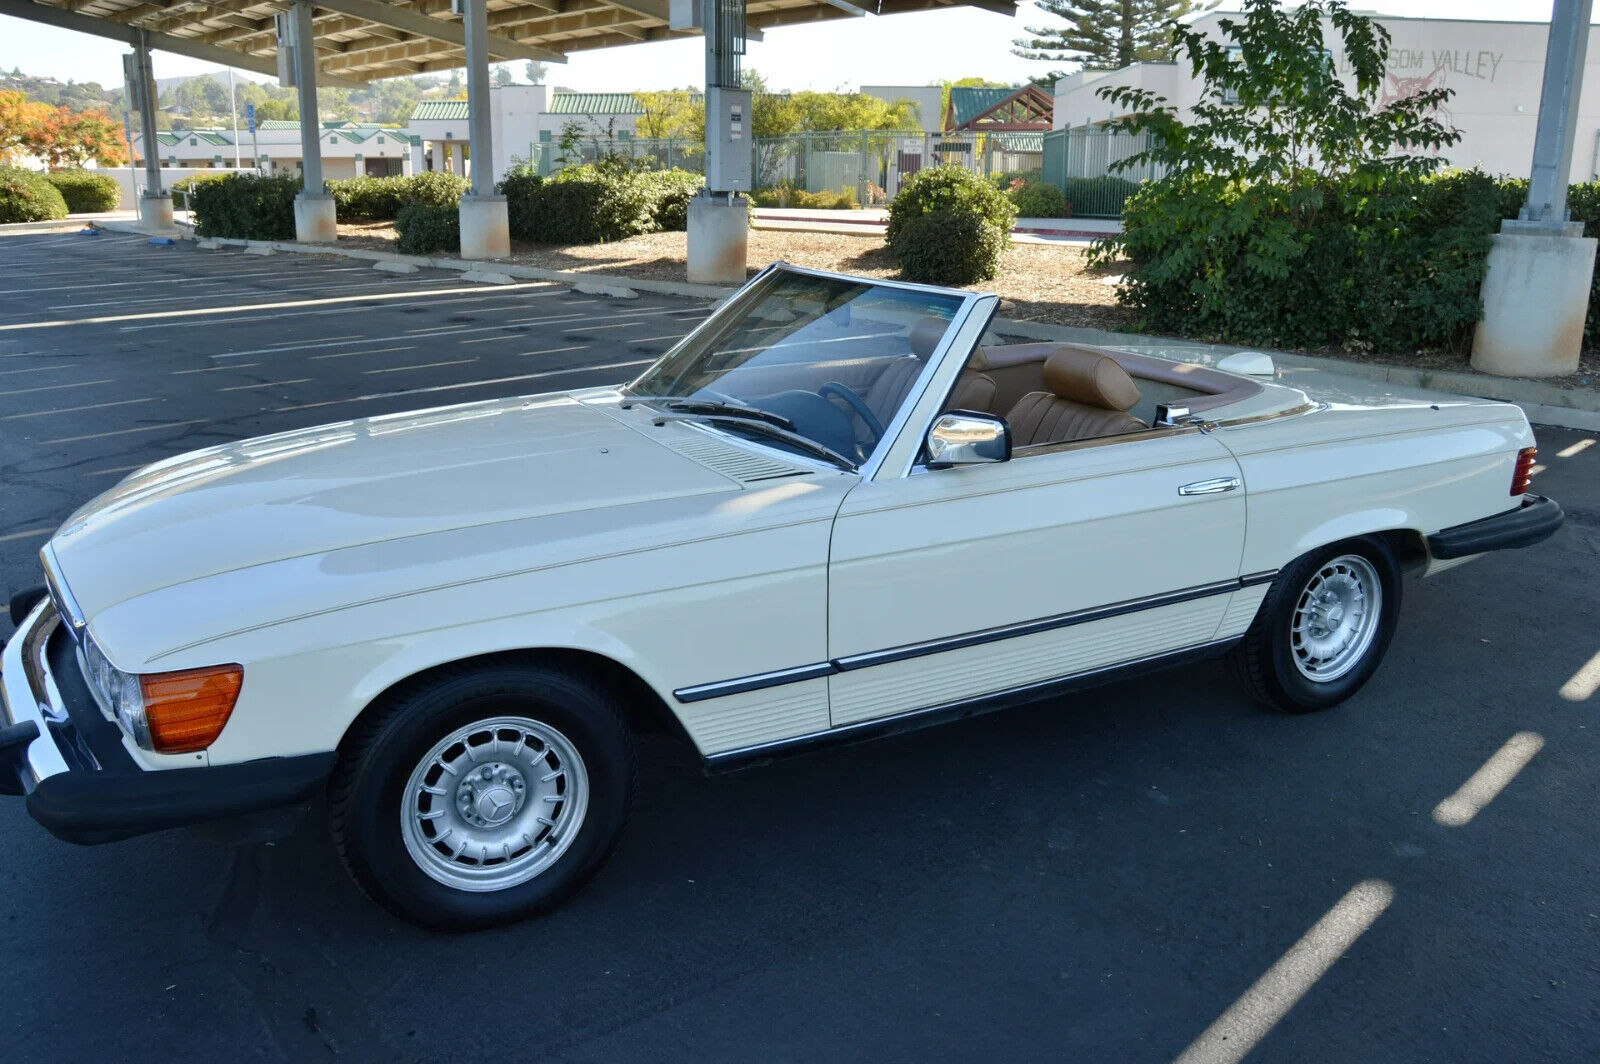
<point>868,469</point>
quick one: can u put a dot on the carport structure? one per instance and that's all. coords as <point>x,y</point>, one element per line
<point>349,42</point>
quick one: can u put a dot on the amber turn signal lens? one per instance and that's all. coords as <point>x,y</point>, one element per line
<point>1522,475</point>
<point>186,710</point>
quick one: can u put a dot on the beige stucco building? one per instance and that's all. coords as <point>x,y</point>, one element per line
<point>1494,70</point>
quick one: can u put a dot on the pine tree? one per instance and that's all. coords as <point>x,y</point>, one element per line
<point>1106,34</point>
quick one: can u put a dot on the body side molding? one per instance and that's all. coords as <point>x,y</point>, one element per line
<point>863,731</point>
<point>850,662</point>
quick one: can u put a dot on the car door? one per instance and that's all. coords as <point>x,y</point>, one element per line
<point>950,585</point>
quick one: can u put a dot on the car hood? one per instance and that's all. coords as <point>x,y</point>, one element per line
<point>361,482</point>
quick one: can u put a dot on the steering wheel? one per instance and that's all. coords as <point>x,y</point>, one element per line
<point>856,403</point>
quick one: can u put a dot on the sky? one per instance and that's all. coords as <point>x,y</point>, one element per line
<point>913,49</point>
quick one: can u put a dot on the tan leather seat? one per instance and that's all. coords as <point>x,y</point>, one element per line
<point>975,389</point>
<point>1089,397</point>
<point>889,389</point>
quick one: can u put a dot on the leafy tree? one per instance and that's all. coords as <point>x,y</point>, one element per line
<point>670,113</point>
<point>1296,208</point>
<point>1274,108</point>
<point>277,111</point>
<point>77,138</point>
<point>1106,34</point>
<point>20,119</point>
<point>503,75</point>
<point>535,71</point>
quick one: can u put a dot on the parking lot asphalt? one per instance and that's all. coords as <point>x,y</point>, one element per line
<point>1146,870</point>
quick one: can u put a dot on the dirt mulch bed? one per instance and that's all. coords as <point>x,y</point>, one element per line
<point>1044,282</point>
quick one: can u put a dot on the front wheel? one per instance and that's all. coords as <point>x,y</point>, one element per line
<point>1323,627</point>
<point>485,796</point>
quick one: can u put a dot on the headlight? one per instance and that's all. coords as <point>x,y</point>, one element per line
<point>119,692</point>
<point>169,712</point>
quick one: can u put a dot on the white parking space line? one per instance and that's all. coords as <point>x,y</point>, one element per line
<point>1583,683</point>
<point>291,343</point>
<point>213,369</point>
<point>117,469</point>
<point>551,351</point>
<point>264,384</point>
<point>77,409</point>
<point>1486,784</point>
<point>353,354</point>
<point>55,387</point>
<point>1575,449</point>
<point>28,533</point>
<point>111,319</point>
<point>423,365</point>
<point>1236,1032</point>
<point>125,432</point>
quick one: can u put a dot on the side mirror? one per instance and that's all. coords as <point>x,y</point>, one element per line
<point>966,437</point>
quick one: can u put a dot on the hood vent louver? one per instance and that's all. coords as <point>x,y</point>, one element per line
<point>731,461</point>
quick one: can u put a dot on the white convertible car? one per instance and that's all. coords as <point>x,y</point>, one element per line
<point>829,513</point>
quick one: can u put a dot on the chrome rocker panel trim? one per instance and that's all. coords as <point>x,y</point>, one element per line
<point>778,677</point>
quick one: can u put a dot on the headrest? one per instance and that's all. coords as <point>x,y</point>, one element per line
<point>1090,378</point>
<point>925,336</point>
<point>979,360</point>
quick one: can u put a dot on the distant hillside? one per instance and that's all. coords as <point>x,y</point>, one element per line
<point>78,95</point>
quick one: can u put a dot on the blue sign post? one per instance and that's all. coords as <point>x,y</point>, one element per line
<point>255,146</point>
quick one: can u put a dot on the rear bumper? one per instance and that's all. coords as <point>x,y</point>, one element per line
<point>1535,520</point>
<point>81,783</point>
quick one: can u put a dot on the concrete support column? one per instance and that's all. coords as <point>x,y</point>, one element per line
<point>1536,288</point>
<point>719,219</point>
<point>155,203</point>
<point>314,216</point>
<point>485,226</point>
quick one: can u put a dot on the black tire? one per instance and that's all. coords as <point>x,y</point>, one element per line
<point>1265,659</point>
<point>366,791</point>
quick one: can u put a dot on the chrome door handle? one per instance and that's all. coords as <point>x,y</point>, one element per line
<point>1210,487</point>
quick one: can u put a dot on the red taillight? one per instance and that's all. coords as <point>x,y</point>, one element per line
<point>1522,475</point>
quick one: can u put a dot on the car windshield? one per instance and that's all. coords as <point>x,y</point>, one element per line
<point>815,364</point>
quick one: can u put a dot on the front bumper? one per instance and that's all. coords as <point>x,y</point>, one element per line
<point>1535,520</point>
<point>82,785</point>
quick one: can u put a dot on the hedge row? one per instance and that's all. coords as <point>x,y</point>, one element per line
<point>377,199</point>
<point>425,228</point>
<point>1391,264</point>
<point>245,206</point>
<point>25,196</point>
<point>86,193</point>
<point>591,205</point>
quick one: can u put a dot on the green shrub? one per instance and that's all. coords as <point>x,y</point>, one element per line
<point>1036,199</point>
<point>26,196</point>
<point>366,199</point>
<point>594,204</point>
<point>376,199</point>
<point>245,207</point>
<point>181,188</point>
<point>425,229</point>
<point>1362,262</point>
<point>431,188</point>
<point>947,247</point>
<point>953,190</point>
<point>86,193</point>
<point>826,200</point>
<point>671,191</point>
<point>1096,195</point>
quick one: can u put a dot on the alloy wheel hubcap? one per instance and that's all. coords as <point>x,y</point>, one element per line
<point>1336,618</point>
<point>495,803</point>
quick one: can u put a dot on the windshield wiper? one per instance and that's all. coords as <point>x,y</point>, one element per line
<point>793,439</point>
<point>733,410</point>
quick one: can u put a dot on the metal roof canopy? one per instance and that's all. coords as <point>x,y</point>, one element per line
<point>364,40</point>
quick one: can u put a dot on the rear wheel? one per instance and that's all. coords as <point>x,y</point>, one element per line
<point>1323,627</point>
<point>485,796</point>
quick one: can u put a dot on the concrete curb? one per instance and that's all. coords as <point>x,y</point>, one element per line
<point>1545,404</point>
